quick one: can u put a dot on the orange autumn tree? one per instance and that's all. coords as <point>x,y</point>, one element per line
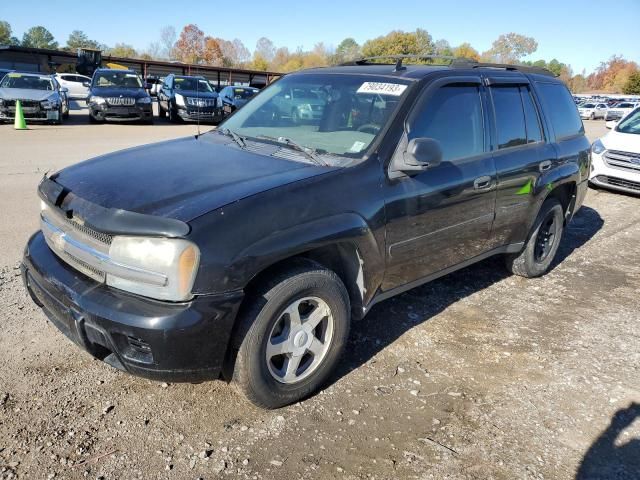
<point>190,47</point>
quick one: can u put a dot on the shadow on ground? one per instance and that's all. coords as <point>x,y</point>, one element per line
<point>386,322</point>
<point>605,459</point>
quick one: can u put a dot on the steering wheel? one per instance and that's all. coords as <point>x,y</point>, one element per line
<point>371,128</point>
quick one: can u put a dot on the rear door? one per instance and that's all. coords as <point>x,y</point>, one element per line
<point>521,155</point>
<point>442,216</point>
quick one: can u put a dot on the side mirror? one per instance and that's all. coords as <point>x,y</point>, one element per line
<point>64,90</point>
<point>86,84</point>
<point>611,124</point>
<point>419,155</point>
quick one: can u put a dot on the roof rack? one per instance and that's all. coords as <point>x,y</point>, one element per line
<point>454,62</point>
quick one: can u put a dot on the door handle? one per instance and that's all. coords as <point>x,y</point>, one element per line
<point>544,166</point>
<point>481,183</point>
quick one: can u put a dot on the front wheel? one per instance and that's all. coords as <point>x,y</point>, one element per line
<point>291,335</point>
<point>542,243</point>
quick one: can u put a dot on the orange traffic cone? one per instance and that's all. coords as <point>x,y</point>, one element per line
<point>19,123</point>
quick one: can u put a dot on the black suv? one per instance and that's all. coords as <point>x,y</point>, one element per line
<point>188,98</point>
<point>234,97</point>
<point>248,250</point>
<point>118,96</point>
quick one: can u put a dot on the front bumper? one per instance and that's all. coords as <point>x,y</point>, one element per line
<point>616,178</point>
<point>204,114</point>
<point>132,113</point>
<point>31,113</point>
<point>149,338</point>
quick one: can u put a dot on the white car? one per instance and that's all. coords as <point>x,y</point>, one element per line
<point>615,159</point>
<point>75,83</point>
<point>592,111</point>
<point>620,110</point>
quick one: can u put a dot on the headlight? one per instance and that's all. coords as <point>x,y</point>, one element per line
<point>179,100</point>
<point>96,100</point>
<point>162,268</point>
<point>305,107</point>
<point>50,103</point>
<point>144,100</point>
<point>597,147</point>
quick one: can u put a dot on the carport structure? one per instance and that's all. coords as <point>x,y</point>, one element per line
<point>52,61</point>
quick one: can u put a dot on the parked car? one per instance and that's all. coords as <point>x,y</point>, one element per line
<point>189,98</point>
<point>154,84</point>
<point>616,156</point>
<point>41,97</point>
<point>118,96</point>
<point>592,110</point>
<point>3,72</point>
<point>234,97</point>
<point>247,251</point>
<point>620,110</point>
<point>76,84</point>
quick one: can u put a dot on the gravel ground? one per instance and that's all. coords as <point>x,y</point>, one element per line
<point>476,375</point>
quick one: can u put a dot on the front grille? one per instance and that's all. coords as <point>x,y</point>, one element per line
<point>121,101</point>
<point>619,182</point>
<point>83,229</point>
<point>201,102</point>
<point>624,160</point>
<point>23,103</point>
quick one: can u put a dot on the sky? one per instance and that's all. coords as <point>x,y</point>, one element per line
<point>573,31</point>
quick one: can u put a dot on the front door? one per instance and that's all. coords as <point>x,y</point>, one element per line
<point>442,216</point>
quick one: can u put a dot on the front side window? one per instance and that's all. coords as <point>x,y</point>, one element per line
<point>510,122</point>
<point>117,79</point>
<point>558,105</point>
<point>328,113</point>
<point>453,117</point>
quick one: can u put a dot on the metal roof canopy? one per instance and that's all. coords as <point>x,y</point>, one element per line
<point>49,58</point>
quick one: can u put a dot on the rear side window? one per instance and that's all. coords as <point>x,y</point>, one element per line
<point>560,109</point>
<point>453,117</point>
<point>510,122</point>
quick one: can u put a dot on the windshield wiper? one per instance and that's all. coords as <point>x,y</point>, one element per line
<point>236,138</point>
<point>310,153</point>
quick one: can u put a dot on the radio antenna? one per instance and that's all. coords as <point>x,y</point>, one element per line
<point>198,98</point>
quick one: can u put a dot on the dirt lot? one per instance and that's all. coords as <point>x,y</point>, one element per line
<point>477,375</point>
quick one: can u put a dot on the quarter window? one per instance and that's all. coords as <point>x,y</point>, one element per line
<point>561,109</point>
<point>453,117</point>
<point>510,123</point>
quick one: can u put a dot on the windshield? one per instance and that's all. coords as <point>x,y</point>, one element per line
<point>243,93</point>
<point>336,114</point>
<point>588,105</point>
<point>624,105</point>
<point>117,79</point>
<point>190,83</point>
<point>630,124</point>
<point>31,82</point>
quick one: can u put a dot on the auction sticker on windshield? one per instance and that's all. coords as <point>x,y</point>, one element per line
<point>380,88</point>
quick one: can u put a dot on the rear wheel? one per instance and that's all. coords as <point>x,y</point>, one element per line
<point>542,244</point>
<point>291,335</point>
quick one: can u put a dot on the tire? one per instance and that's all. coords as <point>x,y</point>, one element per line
<point>538,255</point>
<point>161,112</point>
<point>263,376</point>
<point>65,115</point>
<point>92,120</point>
<point>592,116</point>
<point>295,118</point>
<point>173,118</point>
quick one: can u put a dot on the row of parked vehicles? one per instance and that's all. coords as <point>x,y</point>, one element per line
<point>607,109</point>
<point>119,96</point>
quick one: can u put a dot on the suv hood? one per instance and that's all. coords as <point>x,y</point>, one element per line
<point>25,94</point>
<point>117,92</point>
<point>623,142</point>
<point>182,178</point>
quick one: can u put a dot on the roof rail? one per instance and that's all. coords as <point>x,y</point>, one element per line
<point>470,63</point>
<point>397,59</point>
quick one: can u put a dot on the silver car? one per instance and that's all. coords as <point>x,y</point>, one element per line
<point>592,110</point>
<point>41,97</point>
<point>75,83</point>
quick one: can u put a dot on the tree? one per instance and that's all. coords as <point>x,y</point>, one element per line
<point>190,46</point>
<point>5,34</point>
<point>265,49</point>
<point>212,54</point>
<point>167,42</point>
<point>347,50</point>
<point>243,55</point>
<point>465,50</point>
<point>259,63</point>
<point>234,53</point>
<point>39,37</point>
<point>398,42</point>
<point>442,47</point>
<point>122,50</point>
<point>78,39</point>
<point>510,48</point>
<point>632,86</point>
<point>612,75</point>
